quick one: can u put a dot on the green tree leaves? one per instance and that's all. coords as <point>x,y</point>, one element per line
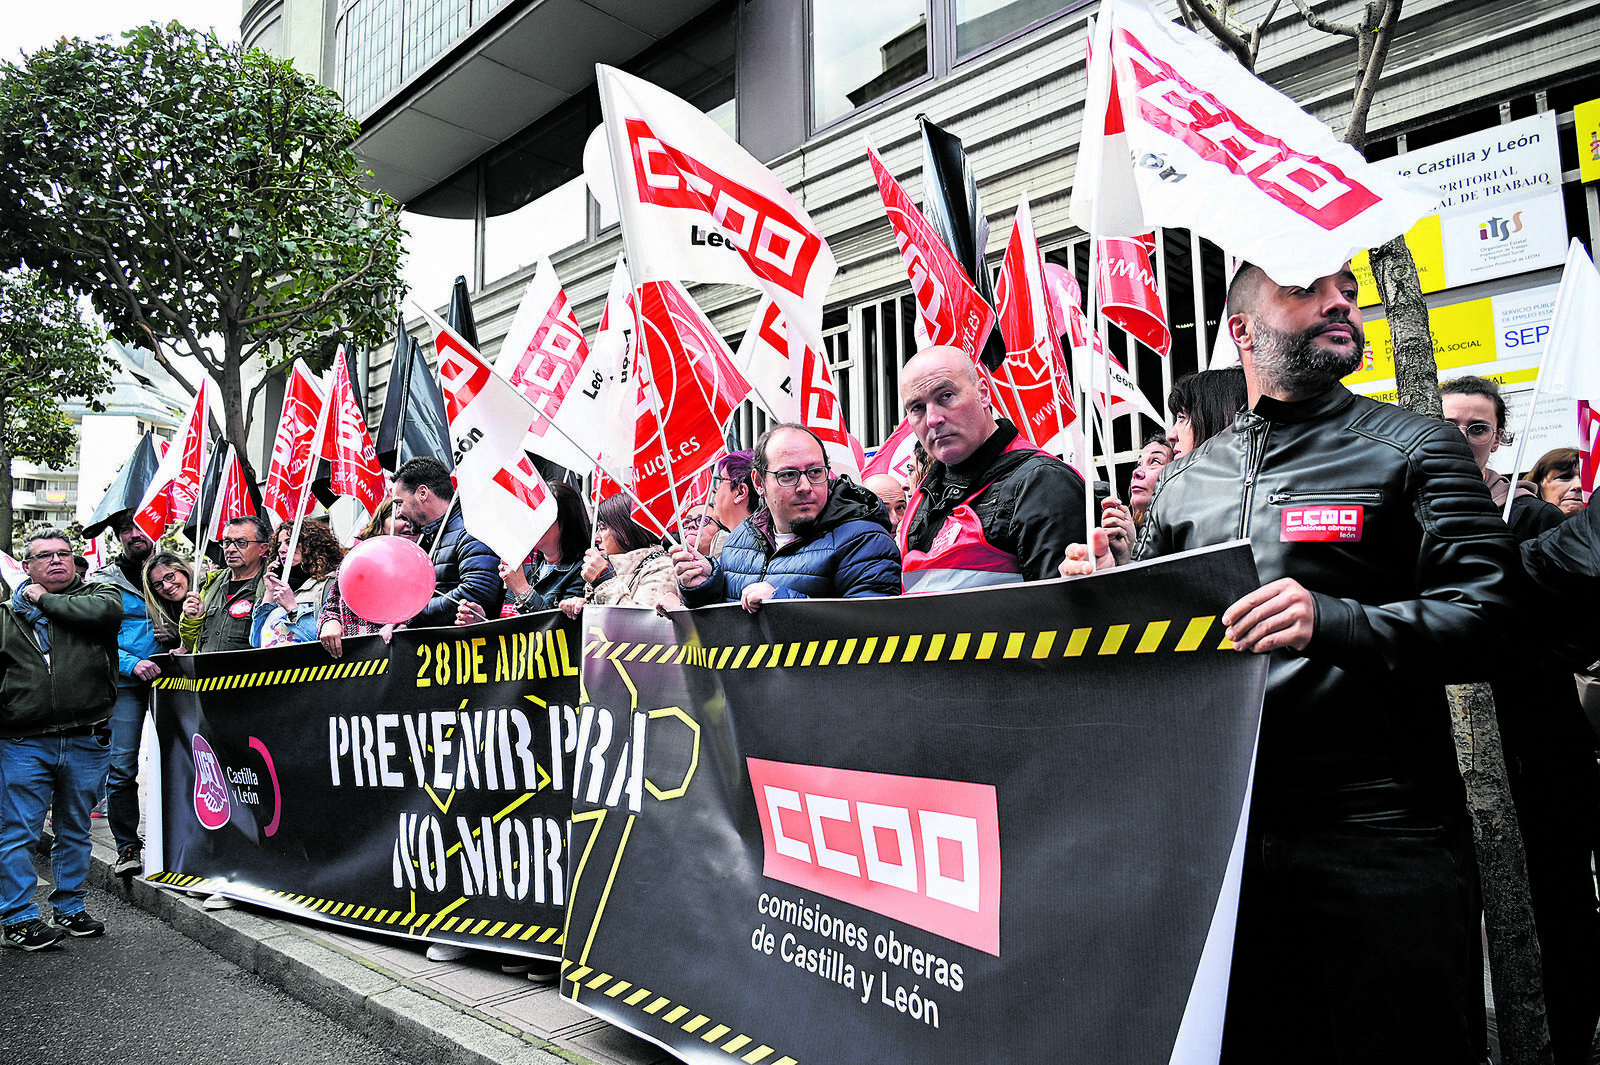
<point>204,197</point>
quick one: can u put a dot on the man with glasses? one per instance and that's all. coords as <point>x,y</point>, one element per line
<point>58,683</point>
<point>733,499</point>
<point>217,615</point>
<point>991,508</point>
<point>817,537</point>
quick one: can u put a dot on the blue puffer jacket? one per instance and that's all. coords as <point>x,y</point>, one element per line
<point>464,568</point>
<point>136,639</point>
<point>850,553</point>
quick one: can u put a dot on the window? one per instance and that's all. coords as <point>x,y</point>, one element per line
<point>980,23</point>
<point>862,51</point>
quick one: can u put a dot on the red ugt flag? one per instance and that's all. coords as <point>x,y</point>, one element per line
<point>291,465</point>
<point>347,445</point>
<point>952,311</point>
<point>1031,386</point>
<point>172,493</point>
<point>688,389</point>
<point>233,495</point>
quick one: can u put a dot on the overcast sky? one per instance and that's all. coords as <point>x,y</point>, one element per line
<point>28,27</point>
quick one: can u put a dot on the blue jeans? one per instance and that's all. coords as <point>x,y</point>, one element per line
<point>122,782</point>
<point>33,771</point>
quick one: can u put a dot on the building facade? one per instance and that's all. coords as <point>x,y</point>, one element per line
<point>475,115</point>
<point>142,398</point>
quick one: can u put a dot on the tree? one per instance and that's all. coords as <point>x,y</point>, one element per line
<point>1513,947</point>
<point>204,197</point>
<point>47,353</point>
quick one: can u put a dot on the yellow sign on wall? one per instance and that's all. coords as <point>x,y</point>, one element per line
<point>1426,241</point>
<point>1587,130</point>
<point>1463,335</point>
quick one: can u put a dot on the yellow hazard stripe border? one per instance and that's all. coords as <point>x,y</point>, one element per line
<point>1161,636</point>
<point>736,1045</point>
<point>276,677</point>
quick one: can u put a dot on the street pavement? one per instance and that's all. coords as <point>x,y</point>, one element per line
<point>382,988</point>
<point>144,995</point>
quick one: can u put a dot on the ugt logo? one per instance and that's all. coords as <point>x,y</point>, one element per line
<point>1499,229</point>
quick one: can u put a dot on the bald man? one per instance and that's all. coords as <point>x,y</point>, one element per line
<point>992,508</point>
<point>888,488</point>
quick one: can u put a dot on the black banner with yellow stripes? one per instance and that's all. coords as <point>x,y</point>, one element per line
<point>419,789</point>
<point>978,826</point>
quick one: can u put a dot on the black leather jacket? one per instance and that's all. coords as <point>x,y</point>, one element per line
<point>1384,517</point>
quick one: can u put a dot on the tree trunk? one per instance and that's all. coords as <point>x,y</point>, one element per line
<point>233,412</point>
<point>1416,374</point>
<point>1514,961</point>
<point>6,519</point>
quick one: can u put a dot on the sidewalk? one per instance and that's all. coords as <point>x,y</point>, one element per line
<point>461,1013</point>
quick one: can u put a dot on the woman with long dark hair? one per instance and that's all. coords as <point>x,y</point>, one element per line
<point>630,567</point>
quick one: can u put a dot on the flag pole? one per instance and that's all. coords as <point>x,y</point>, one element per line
<point>607,109</point>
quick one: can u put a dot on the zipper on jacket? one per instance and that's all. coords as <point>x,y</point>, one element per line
<point>1255,450</point>
<point>1350,495</point>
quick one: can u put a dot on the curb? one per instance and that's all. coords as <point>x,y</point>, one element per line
<point>407,1020</point>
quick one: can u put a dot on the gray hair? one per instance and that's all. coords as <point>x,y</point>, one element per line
<point>47,532</point>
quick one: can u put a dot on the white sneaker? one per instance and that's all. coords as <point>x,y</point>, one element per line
<point>447,952</point>
<point>218,902</point>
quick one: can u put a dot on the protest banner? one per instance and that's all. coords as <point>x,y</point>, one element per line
<point>991,826</point>
<point>416,789</point>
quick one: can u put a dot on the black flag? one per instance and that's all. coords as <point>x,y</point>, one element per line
<point>950,203</point>
<point>127,487</point>
<point>413,421</point>
<point>460,316</point>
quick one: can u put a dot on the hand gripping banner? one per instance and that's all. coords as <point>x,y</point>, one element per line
<point>418,789</point>
<point>1000,825</point>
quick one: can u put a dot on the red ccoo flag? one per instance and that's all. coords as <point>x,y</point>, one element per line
<point>1031,386</point>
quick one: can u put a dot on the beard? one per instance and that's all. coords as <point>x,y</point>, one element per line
<point>804,527</point>
<point>1294,362</point>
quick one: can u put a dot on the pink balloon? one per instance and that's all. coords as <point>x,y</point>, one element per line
<point>386,579</point>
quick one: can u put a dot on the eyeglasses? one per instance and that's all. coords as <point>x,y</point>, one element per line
<point>1476,430</point>
<point>698,521</point>
<point>170,578</point>
<point>790,478</point>
<point>46,555</point>
<point>238,543</point>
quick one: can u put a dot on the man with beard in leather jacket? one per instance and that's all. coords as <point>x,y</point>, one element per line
<point>1387,573</point>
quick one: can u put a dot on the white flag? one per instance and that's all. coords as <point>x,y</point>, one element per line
<point>1104,197</point>
<point>695,206</point>
<point>1218,151</point>
<point>616,350</point>
<point>504,502</point>
<point>546,358</point>
<point>1570,366</point>
<point>795,386</point>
